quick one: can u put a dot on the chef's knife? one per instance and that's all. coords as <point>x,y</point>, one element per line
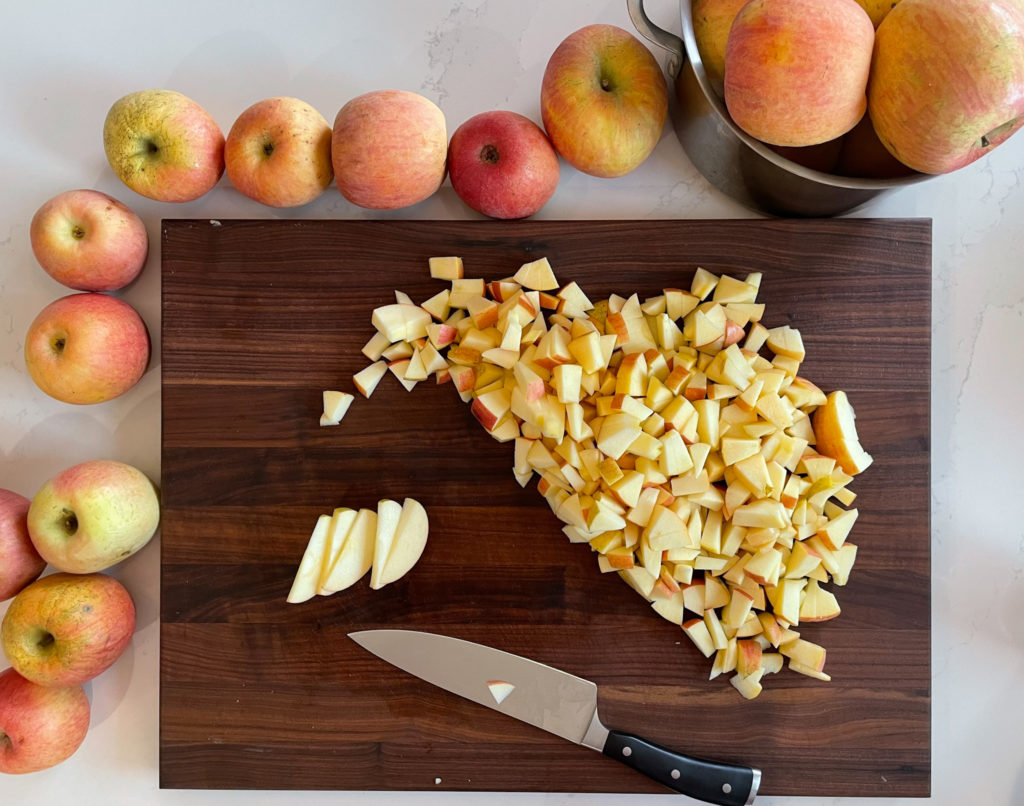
<point>556,701</point>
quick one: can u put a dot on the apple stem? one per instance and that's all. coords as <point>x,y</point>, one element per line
<point>606,84</point>
<point>268,148</point>
<point>58,345</point>
<point>77,232</point>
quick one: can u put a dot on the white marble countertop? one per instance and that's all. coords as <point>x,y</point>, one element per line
<point>61,66</point>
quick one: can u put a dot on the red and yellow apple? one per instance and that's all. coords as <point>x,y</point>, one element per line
<point>389,149</point>
<point>163,145</point>
<point>502,165</point>
<point>877,9</point>
<point>93,515</point>
<point>712,20</point>
<point>89,241</point>
<point>87,348</point>
<point>40,726</point>
<point>603,100</point>
<point>796,71</point>
<point>947,80</point>
<point>20,563</point>
<point>278,152</point>
<point>66,629</point>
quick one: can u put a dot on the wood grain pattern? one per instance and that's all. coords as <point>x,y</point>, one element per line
<point>259,317</point>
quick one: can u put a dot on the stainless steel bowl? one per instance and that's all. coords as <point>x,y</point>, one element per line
<point>740,166</point>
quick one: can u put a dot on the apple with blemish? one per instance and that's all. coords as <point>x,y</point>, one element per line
<point>278,152</point>
<point>89,241</point>
<point>163,145</point>
<point>66,629</point>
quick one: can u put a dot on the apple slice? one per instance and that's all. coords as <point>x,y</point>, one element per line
<point>337,532</point>
<point>537,275</point>
<point>307,578</point>
<point>355,555</point>
<point>401,322</point>
<point>400,546</point>
<point>836,434</point>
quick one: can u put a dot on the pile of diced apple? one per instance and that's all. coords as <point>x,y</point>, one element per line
<point>347,543</point>
<point>674,435</point>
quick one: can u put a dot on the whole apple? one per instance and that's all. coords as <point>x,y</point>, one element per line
<point>163,145</point>
<point>947,80</point>
<point>389,149</point>
<point>603,100</point>
<point>89,241</point>
<point>93,515</point>
<point>40,726</point>
<point>20,563</point>
<point>712,20</point>
<point>87,348</point>
<point>66,629</point>
<point>278,152</point>
<point>502,165</point>
<point>796,71</point>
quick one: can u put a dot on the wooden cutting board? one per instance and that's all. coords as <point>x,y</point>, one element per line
<point>260,316</point>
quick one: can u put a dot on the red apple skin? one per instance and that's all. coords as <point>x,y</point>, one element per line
<point>163,145</point>
<point>278,152</point>
<point>502,165</point>
<point>87,348</point>
<point>389,149</point>
<point>20,563</point>
<point>947,80</point>
<point>89,241</point>
<point>796,71</point>
<point>40,726</point>
<point>66,629</point>
<point>603,100</point>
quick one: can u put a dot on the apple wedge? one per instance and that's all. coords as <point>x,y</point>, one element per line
<point>354,554</point>
<point>408,539</point>
<point>836,434</point>
<point>307,578</point>
<point>335,406</point>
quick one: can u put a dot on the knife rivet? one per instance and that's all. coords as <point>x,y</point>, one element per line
<point>627,751</point>
<point>727,788</point>
<point>675,775</point>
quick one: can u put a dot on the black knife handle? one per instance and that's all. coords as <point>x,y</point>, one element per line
<point>710,781</point>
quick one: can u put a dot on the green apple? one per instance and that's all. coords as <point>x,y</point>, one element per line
<point>93,515</point>
<point>66,629</point>
<point>40,726</point>
<point>163,145</point>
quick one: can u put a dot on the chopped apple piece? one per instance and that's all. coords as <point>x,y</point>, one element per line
<point>537,275</point>
<point>335,406</point>
<point>366,380</point>
<point>401,322</point>
<point>445,268</point>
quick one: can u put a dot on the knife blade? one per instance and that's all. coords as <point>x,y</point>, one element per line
<point>555,701</point>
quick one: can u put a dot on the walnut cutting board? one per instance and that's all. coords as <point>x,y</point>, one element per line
<point>260,316</point>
